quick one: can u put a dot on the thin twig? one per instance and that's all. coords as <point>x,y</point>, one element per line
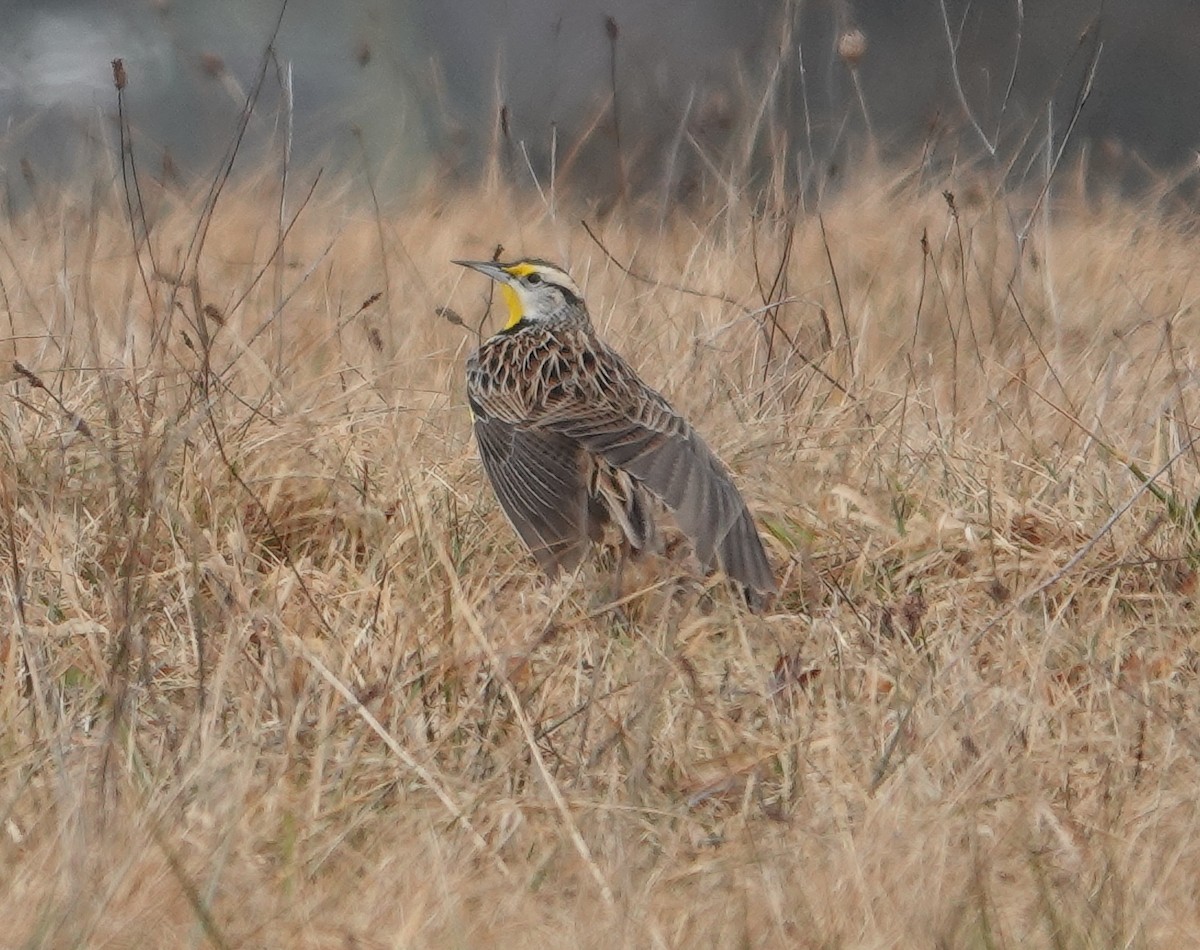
<point>1081,98</point>
<point>284,78</point>
<point>78,423</point>
<point>120,79</point>
<point>613,31</point>
<point>956,79</point>
<point>837,289</point>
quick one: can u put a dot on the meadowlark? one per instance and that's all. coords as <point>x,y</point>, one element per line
<point>573,440</point>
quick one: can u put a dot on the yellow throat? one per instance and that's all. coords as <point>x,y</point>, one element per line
<point>515,310</point>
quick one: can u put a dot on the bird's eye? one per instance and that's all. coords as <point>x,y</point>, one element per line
<point>533,279</point>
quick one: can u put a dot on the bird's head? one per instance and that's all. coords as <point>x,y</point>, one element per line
<point>535,291</point>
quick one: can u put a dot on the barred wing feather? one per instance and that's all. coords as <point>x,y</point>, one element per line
<point>538,476</point>
<point>663,452</point>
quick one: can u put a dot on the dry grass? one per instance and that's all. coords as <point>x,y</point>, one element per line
<point>275,671</point>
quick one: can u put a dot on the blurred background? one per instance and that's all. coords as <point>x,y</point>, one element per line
<point>660,97</point>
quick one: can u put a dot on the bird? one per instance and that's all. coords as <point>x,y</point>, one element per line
<point>572,440</point>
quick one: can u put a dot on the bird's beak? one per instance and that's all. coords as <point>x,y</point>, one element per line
<point>490,268</point>
<point>516,310</point>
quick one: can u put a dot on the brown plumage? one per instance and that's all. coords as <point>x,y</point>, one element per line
<point>572,439</point>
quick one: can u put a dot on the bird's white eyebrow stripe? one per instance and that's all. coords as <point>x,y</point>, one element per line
<point>552,272</point>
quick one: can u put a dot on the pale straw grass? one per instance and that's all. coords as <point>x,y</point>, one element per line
<point>276,672</point>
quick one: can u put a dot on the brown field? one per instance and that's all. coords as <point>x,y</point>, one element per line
<point>275,671</point>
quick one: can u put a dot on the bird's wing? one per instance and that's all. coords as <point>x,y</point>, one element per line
<point>636,430</point>
<point>539,477</point>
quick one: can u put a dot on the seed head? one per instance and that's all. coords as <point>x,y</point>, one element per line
<point>852,46</point>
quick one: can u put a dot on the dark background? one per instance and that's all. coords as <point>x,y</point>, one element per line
<point>708,92</point>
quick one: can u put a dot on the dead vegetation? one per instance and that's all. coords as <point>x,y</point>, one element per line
<point>274,671</point>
